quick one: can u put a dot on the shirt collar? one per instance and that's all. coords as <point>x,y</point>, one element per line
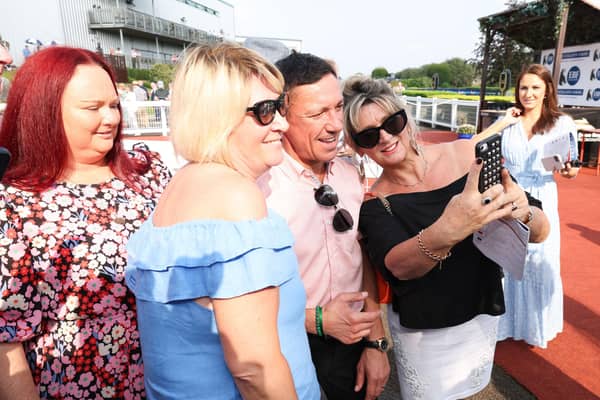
<point>292,167</point>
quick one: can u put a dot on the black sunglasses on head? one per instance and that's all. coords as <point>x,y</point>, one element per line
<point>394,124</point>
<point>326,196</point>
<point>264,111</point>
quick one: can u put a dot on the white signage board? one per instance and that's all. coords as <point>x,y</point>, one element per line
<point>579,79</point>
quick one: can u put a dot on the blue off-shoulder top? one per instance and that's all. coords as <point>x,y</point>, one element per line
<point>169,267</point>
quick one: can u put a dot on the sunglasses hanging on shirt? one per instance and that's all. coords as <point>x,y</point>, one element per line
<point>326,196</point>
<point>394,125</point>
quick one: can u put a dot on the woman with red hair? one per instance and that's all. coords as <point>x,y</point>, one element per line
<point>69,200</point>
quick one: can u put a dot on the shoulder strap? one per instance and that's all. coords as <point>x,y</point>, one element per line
<point>384,201</point>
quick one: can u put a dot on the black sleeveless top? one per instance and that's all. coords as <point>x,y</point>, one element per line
<point>467,284</point>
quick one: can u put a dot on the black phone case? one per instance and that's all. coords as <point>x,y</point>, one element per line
<point>4,159</point>
<point>490,150</point>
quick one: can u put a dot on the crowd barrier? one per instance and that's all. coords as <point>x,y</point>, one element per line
<point>151,117</point>
<point>443,112</point>
<point>148,118</point>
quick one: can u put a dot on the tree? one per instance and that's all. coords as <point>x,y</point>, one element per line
<point>504,53</point>
<point>410,73</point>
<point>461,72</point>
<point>162,72</point>
<point>442,70</point>
<point>379,72</point>
<point>454,72</point>
<point>422,82</point>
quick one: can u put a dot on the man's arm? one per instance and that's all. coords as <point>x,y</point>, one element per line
<point>341,320</point>
<point>374,366</point>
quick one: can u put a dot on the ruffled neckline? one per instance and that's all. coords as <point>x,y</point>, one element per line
<point>204,242</point>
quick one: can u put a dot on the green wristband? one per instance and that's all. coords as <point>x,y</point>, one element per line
<point>319,320</point>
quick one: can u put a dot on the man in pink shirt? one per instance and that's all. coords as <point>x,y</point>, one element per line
<point>320,195</point>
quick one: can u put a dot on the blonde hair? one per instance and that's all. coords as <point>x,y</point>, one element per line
<point>360,90</point>
<point>211,91</point>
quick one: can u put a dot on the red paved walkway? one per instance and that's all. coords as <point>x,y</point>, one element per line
<point>570,367</point>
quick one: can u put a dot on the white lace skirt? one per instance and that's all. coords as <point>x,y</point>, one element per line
<point>447,363</point>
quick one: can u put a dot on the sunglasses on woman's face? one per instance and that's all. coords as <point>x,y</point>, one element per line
<point>394,124</point>
<point>264,111</point>
<point>326,196</point>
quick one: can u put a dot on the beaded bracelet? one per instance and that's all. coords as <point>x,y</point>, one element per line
<point>429,253</point>
<point>319,320</point>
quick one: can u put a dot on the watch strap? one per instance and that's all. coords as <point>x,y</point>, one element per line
<point>380,344</point>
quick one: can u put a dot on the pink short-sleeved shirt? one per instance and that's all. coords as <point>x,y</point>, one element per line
<point>330,262</point>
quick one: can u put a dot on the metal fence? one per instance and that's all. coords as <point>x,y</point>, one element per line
<point>120,17</point>
<point>146,117</point>
<point>151,117</point>
<point>443,112</point>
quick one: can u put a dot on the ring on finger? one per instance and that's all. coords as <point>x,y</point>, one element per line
<point>486,200</point>
<point>514,206</point>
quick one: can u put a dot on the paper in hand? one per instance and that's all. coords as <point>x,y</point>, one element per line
<point>558,145</point>
<point>505,243</point>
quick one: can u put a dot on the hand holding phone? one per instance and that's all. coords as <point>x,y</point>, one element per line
<point>553,163</point>
<point>490,150</point>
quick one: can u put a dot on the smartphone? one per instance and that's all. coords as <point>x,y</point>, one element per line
<point>490,150</point>
<point>553,163</point>
<point>4,159</point>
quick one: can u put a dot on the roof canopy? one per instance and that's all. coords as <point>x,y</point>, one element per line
<point>534,24</point>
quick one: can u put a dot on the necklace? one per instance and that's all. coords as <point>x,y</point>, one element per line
<point>425,165</point>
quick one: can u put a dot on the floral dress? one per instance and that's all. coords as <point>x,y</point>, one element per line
<point>62,288</point>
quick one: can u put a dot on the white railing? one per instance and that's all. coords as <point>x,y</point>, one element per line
<point>146,117</point>
<point>443,112</point>
<point>151,117</point>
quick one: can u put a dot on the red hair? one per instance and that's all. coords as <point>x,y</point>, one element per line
<point>550,111</point>
<point>32,128</point>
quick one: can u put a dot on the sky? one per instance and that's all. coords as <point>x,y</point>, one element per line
<point>363,35</point>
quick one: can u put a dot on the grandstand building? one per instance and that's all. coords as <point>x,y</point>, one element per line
<point>145,32</point>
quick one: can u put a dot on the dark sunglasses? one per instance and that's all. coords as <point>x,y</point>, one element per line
<point>326,196</point>
<point>264,111</point>
<point>394,124</point>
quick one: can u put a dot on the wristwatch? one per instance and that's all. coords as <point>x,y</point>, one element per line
<point>380,344</point>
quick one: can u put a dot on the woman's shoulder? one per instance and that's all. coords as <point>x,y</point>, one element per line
<point>240,195</point>
<point>217,191</point>
<point>202,242</point>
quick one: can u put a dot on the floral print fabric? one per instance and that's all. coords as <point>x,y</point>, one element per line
<point>63,294</point>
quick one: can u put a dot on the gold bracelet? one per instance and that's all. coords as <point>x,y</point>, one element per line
<point>428,253</point>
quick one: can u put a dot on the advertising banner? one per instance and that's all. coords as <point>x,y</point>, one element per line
<point>579,79</point>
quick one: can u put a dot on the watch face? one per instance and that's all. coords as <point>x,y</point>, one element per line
<point>383,344</point>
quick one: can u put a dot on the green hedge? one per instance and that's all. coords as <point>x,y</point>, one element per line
<point>135,74</point>
<point>449,95</point>
<point>158,72</point>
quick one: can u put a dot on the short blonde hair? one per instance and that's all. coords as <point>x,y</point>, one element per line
<point>360,90</point>
<point>211,91</point>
